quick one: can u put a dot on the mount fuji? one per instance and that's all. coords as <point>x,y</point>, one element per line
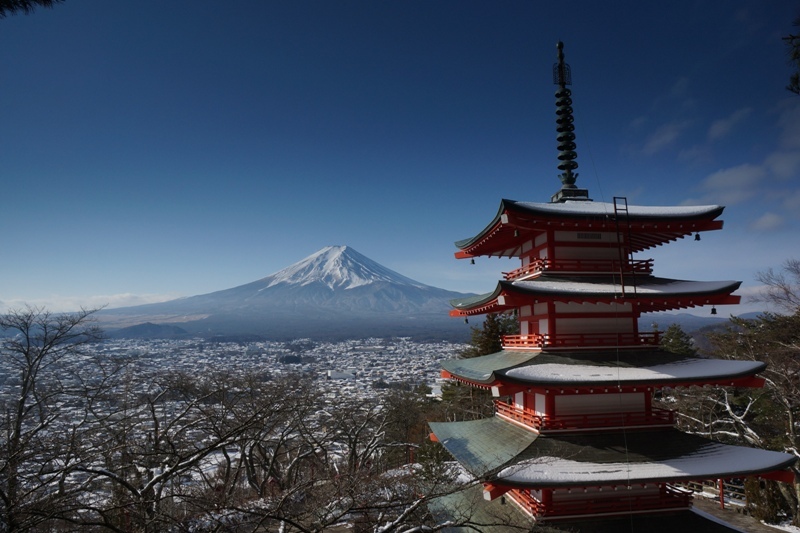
<point>335,293</point>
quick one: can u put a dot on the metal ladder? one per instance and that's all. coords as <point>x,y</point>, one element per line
<point>624,240</point>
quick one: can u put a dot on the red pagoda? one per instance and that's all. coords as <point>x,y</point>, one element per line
<point>575,434</point>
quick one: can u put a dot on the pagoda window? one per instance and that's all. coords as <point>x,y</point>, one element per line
<point>525,311</point>
<point>519,401</point>
<point>527,246</point>
<point>572,326</point>
<point>543,326</point>
<point>606,237</point>
<point>540,404</point>
<point>599,404</point>
<point>568,495</point>
<point>588,308</point>
<point>595,253</point>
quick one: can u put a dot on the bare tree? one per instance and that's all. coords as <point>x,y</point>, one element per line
<point>769,417</point>
<point>101,445</point>
<point>782,287</point>
<point>323,463</point>
<point>159,452</point>
<point>793,49</point>
<point>39,438</point>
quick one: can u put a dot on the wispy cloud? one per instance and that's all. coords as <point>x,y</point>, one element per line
<point>783,164</point>
<point>680,89</point>
<point>60,304</point>
<point>664,137</point>
<point>734,185</point>
<point>722,127</point>
<point>791,201</point>
<point>768,221</point>
<point>789,123</point>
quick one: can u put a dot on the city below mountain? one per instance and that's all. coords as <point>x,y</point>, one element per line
<point>333,294</point>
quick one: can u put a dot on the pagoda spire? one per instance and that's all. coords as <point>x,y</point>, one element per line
<point>565,133</point>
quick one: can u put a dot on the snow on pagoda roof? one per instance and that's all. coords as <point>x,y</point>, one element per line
<point>714,460</point>
<point>647,285</point>
<point>602,209</point>
<point>495,449</point>
<point>632,459</point>
<point>683,371</point>
<point>652,366</point>
<point>655,225</point>
<point>600,287</point>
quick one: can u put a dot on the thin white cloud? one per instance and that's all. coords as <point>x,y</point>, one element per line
<point>680,88</point>
<point>695,154</point>
<point>62,304</point>
<point>768,221</point>
<point>789,122</point>
<point>664,137</point>
<point>783,164</point>
<point>638,122</point>
<point>791,201</point>
<point>736,184</point>
<point>722,127</point>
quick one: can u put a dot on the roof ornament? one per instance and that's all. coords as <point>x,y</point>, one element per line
<point>562,76</point>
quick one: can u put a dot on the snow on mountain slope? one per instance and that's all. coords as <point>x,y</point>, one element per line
<point>337,267</point>
<point>333,292</point>
<point>336,279</point>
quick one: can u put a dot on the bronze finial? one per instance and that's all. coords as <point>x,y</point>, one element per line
<point>562,76</point>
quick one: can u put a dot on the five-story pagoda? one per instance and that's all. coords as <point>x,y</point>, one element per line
<point>575,433</point>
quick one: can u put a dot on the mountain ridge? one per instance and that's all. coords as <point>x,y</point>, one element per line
<point>334,292</point>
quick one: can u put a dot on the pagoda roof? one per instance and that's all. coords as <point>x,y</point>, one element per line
<point>648,226</point>
<point>469,505</point>
<point>598,368</point>
<point>650,292</point>
<point>506,454</point>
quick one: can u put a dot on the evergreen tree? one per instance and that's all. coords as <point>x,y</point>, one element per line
<point>675,340</point>
<point>487,339</point>
<point>23,6</point>
<point>793,49</point>
<point>767,418</point>
<point>464,402</point>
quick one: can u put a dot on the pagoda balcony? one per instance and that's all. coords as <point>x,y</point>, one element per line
<point>538,341</point>
<point>579,266</point>
<point>611,501</point>
<point>655,417</point>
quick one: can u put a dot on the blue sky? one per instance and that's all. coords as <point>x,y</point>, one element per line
<point>151,150</point>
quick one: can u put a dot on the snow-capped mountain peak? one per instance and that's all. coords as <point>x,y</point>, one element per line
<point>337,267</point>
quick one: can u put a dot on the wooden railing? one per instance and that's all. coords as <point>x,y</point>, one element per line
<point>733,491</point>
<point>656,417</point>
<point>610,503</point>
<point>580,340</point>
<point>581,266</point>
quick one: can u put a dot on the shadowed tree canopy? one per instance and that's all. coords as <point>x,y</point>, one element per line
<point>676,340</point>
<point>12,7</point>
<point>793,49</point>
<point>766,417</point>
<point>487,339</point>
<point>782,287</point>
